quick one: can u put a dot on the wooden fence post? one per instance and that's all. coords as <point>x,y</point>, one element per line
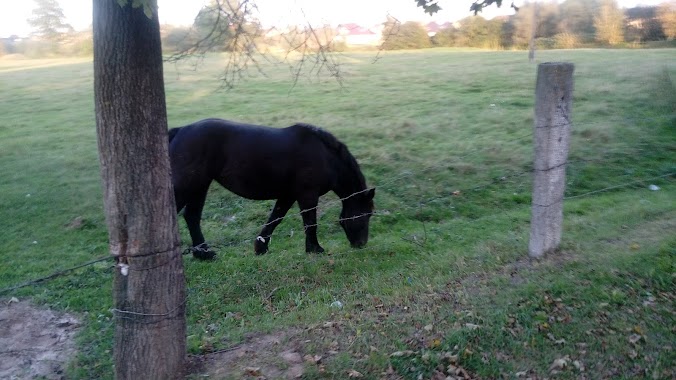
<point>553,103</point>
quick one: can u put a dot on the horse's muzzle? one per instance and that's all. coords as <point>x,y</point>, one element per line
<point>358,244</point>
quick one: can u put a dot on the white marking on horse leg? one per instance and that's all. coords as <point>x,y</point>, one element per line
<point>261,239</point>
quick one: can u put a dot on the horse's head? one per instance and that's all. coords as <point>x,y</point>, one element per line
<point>355,216</point>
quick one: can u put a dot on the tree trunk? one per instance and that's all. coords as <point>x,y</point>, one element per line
<point>149,283</point>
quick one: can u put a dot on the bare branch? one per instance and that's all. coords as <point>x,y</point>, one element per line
<point>234,29</point>
<point>392,30</point>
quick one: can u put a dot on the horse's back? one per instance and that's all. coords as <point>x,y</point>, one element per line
<point>253,161</point>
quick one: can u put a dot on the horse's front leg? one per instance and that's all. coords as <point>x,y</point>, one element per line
<point>193,215</point>
<point>280,209</point>
<point>308,209</point>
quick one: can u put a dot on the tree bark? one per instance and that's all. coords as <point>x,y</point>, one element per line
<point>149,283</point>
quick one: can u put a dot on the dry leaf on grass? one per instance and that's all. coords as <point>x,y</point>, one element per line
<point>354,374</point>
<point>559,364</point>
<point>252,371</point>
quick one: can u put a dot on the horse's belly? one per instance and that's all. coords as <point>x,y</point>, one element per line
<point>257,187</point>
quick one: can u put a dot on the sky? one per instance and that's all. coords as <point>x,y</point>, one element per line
<point>13,14</point>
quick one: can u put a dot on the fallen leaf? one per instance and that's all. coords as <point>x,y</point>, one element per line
<point>450,358</point>
<point>579,365</point>
<point>354,374</point>
<point>312,359</point>
<point>472,326</point>
<point>428,327</point>
<point>399,354</point>
<point>461,371</point>
<point>252,371</point>
<point>559,364</point>
<point>77,223</point>
<point>634,338</point>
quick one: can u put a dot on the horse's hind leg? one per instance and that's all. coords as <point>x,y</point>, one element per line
<point>280,209</point>
<point>193,216</point>
<point>308,209</point>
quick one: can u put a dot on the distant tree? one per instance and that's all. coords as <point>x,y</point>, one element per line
<point>48,22</point>
<point>507,33</point>
<point>177,38</point>
<point>666,13</point>
<point>409,35</point>
<point>445,37</point>
<point>478,32</point>
<point>642,24</point>
<point>214,22</point>
<point>609,23</point>
<point>546,19</point>
<point>577,18</point>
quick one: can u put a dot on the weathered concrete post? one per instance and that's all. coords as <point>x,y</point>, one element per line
<point>553,104</point>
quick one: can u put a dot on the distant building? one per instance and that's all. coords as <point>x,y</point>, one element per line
<point>433,27</point>
<point>8,45</point>
<point>356,35</point>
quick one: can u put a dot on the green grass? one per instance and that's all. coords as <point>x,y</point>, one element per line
<point>423,125</point>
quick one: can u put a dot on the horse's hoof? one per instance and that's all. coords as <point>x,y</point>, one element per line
<point>261,245</point>
<point>203,252</point>
<point>204,255</point>
<point>317,249</point>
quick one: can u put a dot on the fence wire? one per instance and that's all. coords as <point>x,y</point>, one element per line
<point>420,203</point>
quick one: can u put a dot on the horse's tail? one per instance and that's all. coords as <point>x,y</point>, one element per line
<point>173,132</point>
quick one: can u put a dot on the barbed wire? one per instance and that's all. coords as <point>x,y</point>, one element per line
<point>327,205</point>
<point>620,186</point>
<point>152,318</point>
<point>54,275</point>
<point>138,317</point>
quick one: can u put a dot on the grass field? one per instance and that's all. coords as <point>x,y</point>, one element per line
<point>446,137</point>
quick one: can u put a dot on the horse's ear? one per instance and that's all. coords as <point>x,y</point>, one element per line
<point>371,193</point>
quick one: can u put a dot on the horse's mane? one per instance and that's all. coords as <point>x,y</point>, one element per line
<point>337,147</point>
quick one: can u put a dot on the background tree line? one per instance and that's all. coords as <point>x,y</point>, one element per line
<point>566,25</point>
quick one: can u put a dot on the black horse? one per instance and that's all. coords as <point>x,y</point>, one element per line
<point>299,163</point>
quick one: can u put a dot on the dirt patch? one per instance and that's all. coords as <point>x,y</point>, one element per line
<point>272,356</point>
<point>34,342</point>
